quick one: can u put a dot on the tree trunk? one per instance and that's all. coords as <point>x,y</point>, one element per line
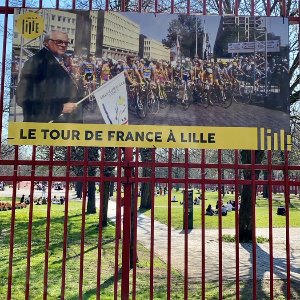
<point>111,189</point>
<point>93,155</point>
<point>78,188</point>
<point>266,187</point>
<point>245,218</point>
<point>91,203</point>
<point>146,186</point>
<point>110,155</point>
<point>105,203</point>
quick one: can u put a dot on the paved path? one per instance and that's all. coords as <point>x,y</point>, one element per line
<point>212,251</point>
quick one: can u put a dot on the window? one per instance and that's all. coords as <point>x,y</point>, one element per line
<point>53,18</point>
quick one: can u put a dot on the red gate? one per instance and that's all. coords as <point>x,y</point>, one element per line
<point>88,262</point>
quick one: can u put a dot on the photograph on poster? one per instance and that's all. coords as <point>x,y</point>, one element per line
<point>96,67</point>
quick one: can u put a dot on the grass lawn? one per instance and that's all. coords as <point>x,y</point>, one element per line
<point>90,261</point>
<point>211,222</point>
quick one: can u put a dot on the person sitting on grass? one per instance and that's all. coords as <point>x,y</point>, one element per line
<point>174,199</point>
<point>197,201</point>
<point>27,200</point>
<point>224,210</point>
<point>22,200</point>
<point>209,211</point>
<point>229,206</point>
<point>62,200</point>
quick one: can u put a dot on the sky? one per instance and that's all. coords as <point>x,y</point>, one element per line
<point>156,25</point>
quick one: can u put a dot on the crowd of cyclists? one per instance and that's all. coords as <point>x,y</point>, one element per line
<point>152,84</point>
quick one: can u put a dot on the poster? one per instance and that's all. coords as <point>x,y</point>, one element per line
<point>196,77</point>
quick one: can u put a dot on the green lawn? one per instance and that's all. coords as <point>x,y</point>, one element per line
<point>211,222</point>
<point>90,261</point>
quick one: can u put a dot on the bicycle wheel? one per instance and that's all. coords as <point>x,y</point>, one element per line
<point>215,97</point>
<point>186,102</point>
<point>204,99</point>
<point>245,94</point>
<point>226,100</point>
<point>152,103</point>
<point>141,106</point>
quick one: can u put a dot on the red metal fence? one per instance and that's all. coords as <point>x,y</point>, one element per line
<point>22,164</point>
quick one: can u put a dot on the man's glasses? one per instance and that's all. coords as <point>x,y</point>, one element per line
<point>60,42</point>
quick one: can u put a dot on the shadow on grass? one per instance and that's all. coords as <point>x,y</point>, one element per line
<point>105,285</point>
<point>263,266</point>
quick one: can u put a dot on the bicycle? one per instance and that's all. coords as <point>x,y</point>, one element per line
<point>161,94</point>
<point>151,99</point>
<point>201,93</point>
<point>137,99</point>
<point>221,95</point>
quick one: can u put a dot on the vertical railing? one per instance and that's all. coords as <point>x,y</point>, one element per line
<point>128,179</point>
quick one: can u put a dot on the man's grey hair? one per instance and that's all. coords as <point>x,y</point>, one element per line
<point>49,34</point>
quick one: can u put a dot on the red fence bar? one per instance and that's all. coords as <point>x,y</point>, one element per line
<point>188,7</point>
<point>203,172</point>
<point>84,194</point>
<point>186,230</point>
<point>65,233</point>
<point>252,7</point>
<point>169,261</point>
<point>236,8</point>
<point>220,7</point>
<point>204,7</point>
<point>236,216</point>
<point>48,224</point>
<point>135,224</point>
<point>151,283</point>
<point>270,199</point>
<point>220,202</point>
<point>100,226</point>
<point>268,8</point>
<point>253,219</point>
<point>12,225</point>
<point>126,224</point>
<point>287,225</point>
<point>118,225</point>
<point>29,241</point>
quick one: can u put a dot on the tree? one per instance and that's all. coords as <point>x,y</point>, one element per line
<point>185,28</point>
<point>109,155</point>
<point>146,186</point>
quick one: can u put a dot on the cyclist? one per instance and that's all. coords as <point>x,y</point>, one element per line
<point>88,70</point>
<point>105,74</point>
<point>147,70</point>
<point>132,75</point>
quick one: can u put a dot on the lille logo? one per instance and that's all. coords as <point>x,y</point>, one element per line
<point>30,25</point>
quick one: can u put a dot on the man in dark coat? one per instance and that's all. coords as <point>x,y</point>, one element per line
<point>46,90</point>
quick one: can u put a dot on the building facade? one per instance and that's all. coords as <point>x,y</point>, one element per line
<point>117,36</point>
<point>156,50</point>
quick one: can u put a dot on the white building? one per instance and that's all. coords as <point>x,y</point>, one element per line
<point>118,36</point>
<point>156,50</point>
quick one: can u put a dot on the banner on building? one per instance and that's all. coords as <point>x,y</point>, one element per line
<point>215,85</point>
<point>251,47</point>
